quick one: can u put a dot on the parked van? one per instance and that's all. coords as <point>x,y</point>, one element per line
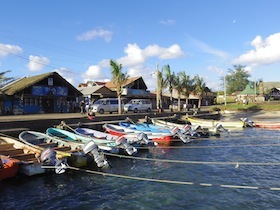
<point>137,105</point>
<point>106,105</point>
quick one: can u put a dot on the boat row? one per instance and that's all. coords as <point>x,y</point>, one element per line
<point>36,152</point>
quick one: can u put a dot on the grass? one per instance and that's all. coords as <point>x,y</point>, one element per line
<point>253,106</point>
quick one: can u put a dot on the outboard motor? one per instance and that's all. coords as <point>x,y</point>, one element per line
<point>143,137</point>
<point>91,147</point>
<point>248,123</point>
<point>128,147</point>
<point>220,128</point>
<point>177,132</point>
<point>48,158</point>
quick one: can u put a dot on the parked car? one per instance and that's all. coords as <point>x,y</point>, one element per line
<point>106,105</point>
<point>137,105</point>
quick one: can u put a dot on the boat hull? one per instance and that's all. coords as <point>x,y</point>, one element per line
<point>8,167</point>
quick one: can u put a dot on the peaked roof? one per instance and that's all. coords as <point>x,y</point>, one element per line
<point>93,89</point>
<point>111,85</point>
<point>25,82</point>
<point>249,90</point>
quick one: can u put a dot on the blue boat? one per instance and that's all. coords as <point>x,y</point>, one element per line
<point>112,146</point>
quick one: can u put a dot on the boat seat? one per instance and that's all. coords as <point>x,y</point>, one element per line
<point>52,144</point>
<point>12,152</point>
<point>23,156</point>
<point>6,146</point>
<point>64,148</point>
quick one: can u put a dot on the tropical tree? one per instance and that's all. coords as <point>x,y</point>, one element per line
<point>169,78</point>
<point>4,79</point>
<point>199,87</point>
<point>179,86</point>
<point>187,85</point>
<point>119,79</point>
<point>236,79</point>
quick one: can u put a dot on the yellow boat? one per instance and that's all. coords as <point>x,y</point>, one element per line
<point>213,123</point>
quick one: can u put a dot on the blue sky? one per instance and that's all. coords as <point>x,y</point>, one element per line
<point>201,37</point>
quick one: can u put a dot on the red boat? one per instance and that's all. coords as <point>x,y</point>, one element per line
<point>160,138</point>
<point>268,125</point>
<point>8,167</point>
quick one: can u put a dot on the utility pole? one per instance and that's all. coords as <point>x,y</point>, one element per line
<point>157,96</point>
<point>225,92</point>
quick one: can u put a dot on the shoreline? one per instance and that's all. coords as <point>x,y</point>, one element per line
<point>252,115</point>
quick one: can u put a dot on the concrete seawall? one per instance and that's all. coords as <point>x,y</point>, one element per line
<point>14,124</point>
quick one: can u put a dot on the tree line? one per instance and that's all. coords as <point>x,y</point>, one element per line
<point>236,80</point>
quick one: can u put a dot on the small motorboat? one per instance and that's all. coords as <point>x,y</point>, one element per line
<point>8,167</point>
<point>73,152</point>
<point>160,138</point>
<point>267,125</point>
<point>106,145</point>
<point>136,139</point>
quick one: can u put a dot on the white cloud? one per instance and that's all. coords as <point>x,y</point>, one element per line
<point>133,62</point>
<point>37,63</point>
<point>136,55</point>
<point>93,34</point>
<point>96,73</point>
<point>65,73</point>
<point>6,49</point>
<point>168,22</point>
<point>266,51</point>
<point>207,49</point>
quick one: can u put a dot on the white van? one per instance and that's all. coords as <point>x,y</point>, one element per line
<point>137,105</point>
<point>106,105</point>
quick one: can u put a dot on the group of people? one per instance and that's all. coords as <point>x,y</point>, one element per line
<point>86,109</point>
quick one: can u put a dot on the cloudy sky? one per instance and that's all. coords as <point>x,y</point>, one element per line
<point>78,38</point>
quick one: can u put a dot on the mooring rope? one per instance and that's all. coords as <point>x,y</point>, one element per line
<point>209,147</point>
<point>170,181</point>
<point>236,163</point>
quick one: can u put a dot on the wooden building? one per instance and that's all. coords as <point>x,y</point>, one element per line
<point>44,93</point>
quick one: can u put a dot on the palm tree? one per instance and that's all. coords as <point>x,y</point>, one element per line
<point>199,88</point>
<point>179,86</point>
<point>169,81</point>
<point>187,86</point>
<point>118,79</point>
<point>3,79</point>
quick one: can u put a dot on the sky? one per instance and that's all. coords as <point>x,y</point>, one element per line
<point>77,39</point>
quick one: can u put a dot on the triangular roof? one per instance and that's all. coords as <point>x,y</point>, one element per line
<point>250,90</point>
<point>131,80</point>
<point>25,82</point>
<point>94,90</point>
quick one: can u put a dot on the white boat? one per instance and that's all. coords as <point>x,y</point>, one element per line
<point>76,152</point>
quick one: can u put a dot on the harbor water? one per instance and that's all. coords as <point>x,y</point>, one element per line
<point>239,170</point>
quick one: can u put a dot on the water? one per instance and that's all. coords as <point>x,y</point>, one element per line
<point>81,190</point>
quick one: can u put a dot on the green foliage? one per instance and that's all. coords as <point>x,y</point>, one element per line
<point>236,79</point>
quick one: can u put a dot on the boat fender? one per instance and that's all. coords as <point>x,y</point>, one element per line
<point>128,147</point>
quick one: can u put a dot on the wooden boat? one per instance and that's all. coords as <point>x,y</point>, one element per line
<point>74,151</point>
<point>8,167</point>
<point>111,146</point>
<point>160,138</point>
<point>267,125</point>
<point>212,123</point>
<point>30,158</point>
<point>136,139</point>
